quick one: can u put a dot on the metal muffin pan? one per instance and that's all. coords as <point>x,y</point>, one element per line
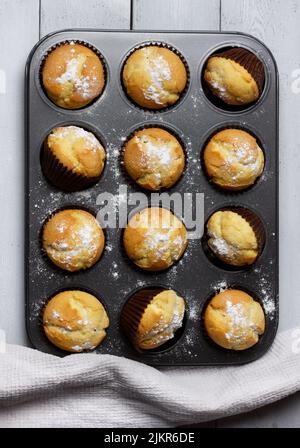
<point>112,118</point>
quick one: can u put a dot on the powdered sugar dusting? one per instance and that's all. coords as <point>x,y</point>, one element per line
<point>159,72</point>
<point>72,75</point>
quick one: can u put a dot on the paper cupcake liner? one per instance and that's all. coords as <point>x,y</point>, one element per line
<point>171,48</point>
<point>79,42</point>
<point>256,224</point>
<point>133,311</point>
<point>60,176</point>
<point>124,172</point>
<point>249,61</point>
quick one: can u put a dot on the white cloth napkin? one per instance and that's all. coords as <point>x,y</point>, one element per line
<point>89,390</point>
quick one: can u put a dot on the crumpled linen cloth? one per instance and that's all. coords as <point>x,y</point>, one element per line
<point>89,390</point>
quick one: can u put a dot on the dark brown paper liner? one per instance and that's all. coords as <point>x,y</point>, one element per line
<point>171,48</point>
<point>256,224</point>
<point>79,42</point>
<point>133,311</point>
<point>249,61</point>
<point>130,180</point>
<point>61,176</point>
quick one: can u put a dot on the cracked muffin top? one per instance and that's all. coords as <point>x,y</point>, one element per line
<point>234,320</point>
<point>73,239</point>
<point>73,75</point>
<point>154,159</point>
<point>154,239</point>
<point>75,321</point>
<point>233,159</point>
<point>232,238</point>
<point>154,77</point>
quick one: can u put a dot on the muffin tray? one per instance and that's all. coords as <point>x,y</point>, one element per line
<point>113,117</point>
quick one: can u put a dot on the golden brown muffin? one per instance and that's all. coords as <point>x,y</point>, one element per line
<point>154,159</point>
<point>154,239</point>
<point>233,159</point>
<point>160,319</point>
<point>232,239</point>
<point>73,75</point>
<point>230,81</point>
<point>234,320</point>
<point>75,321</point>
<point>77,150</point>
<point>154,77</point>
<point>73,239</point>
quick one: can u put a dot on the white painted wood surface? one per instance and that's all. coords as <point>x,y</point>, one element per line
<point>176,14</point>
<point>19,31</point>
<point>276,22</point>
<point>62,14</point>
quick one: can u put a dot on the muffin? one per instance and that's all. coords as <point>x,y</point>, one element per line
<point>233,159</point>
<point>235,76</point>
<point>72,158</point>
<point>73,239</point>
<point>154,239</point>
<point>75,321</point>
<point>234,320</point>
<point>232,238</point>
<point>154,77</point>
<point>150,318</point>
<point>73,75</point>
<point>154,159</point>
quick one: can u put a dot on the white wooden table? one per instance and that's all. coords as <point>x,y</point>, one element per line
<point>23,22</point>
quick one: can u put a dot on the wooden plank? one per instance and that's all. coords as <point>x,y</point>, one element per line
<point>176,14</point>
<point>277,24</point>
<point>60,14</point>
<point>19,31</point>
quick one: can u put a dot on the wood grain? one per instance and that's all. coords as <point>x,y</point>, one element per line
<point>176,14</point>
<point>19,31</point>
<point>106,14</point>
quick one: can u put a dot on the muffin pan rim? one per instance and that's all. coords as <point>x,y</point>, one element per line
<point>195,362</point>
